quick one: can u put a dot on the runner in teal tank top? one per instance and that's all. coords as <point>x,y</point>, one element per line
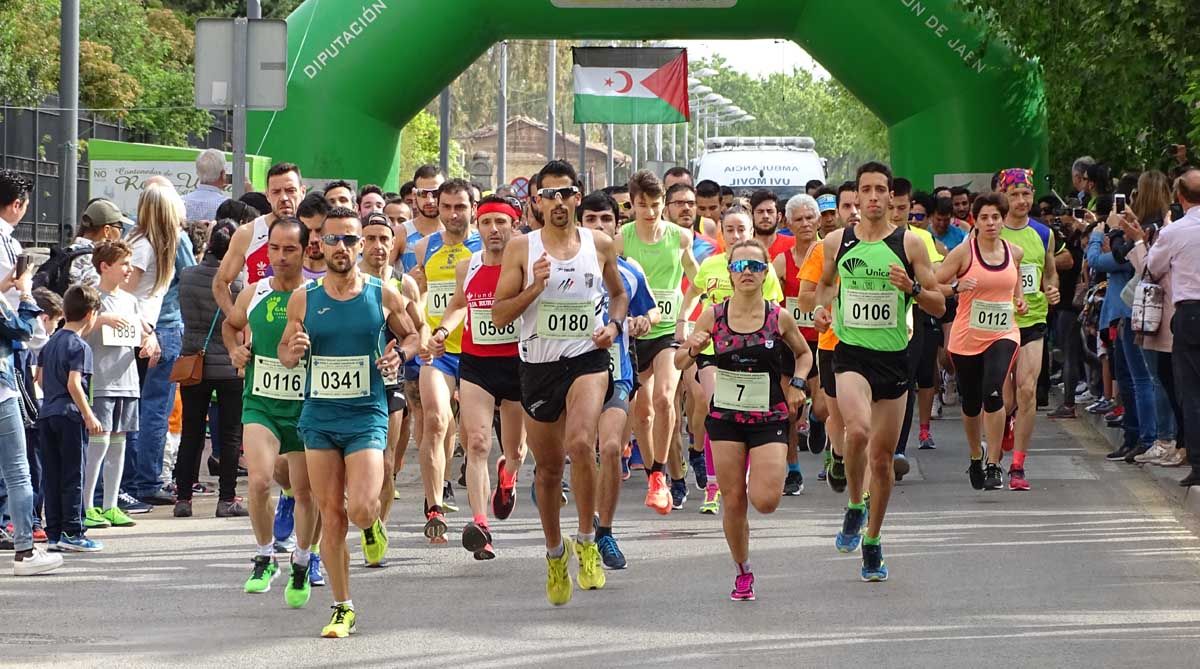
<point>271,405</point>
<point>877,271</point>
<point>664,252</point>
<point>334,327</point>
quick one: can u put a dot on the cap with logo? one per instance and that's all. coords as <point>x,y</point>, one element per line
<point>826,202</point>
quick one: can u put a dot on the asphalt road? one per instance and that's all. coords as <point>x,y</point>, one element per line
<point>1094,567</point>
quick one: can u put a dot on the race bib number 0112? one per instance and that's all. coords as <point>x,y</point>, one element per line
<point>991,316</point>
<point>742,391</point>
<point>566,319</point>
<point>274,381</point>
<point>340,377</point>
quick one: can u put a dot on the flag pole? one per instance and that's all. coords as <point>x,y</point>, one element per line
<point>551,93</point>
<point>502,119</point>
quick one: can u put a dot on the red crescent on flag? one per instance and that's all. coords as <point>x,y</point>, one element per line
<point>628,82</point>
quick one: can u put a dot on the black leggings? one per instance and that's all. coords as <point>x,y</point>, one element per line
<point>981,377</point>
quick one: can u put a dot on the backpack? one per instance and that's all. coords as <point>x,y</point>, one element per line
<point>55,273</point>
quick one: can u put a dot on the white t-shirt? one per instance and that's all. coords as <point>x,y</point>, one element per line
<point>143,259</point>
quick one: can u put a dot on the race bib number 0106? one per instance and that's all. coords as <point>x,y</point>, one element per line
<point>869,309</point>
<point>566,319</point>
<point>742,391</point>
<point>484,330</point>
<point>340,377</point>
<point>274,381</point>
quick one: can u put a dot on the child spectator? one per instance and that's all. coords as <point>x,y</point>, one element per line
<point>115,389</point>
<point>65,371</point>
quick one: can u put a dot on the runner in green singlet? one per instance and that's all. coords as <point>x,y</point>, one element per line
<point>876,271</point>
<point>270,408</point>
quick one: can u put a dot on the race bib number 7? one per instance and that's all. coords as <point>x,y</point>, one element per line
<point>566,319</point>
<point>340,377</point>
<point>742,391</point>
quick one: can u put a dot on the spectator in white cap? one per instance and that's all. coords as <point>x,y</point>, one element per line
<point>202,203</point>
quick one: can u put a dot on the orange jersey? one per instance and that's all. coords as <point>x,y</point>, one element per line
<point>811,270</point>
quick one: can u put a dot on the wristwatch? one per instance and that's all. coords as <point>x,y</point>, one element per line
<point>799,384</point>
<point>444,331</point>
<point>916,289</point>
<point>620,327</point>
<point>954,287</point>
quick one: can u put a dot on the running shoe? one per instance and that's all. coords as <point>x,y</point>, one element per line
<point>678,493</point>
<point>1101,406</point>
<point>837,475</point>
<point>743,588</point>
<point>117,518</point>
<point>949,389</point>
<point>298,589</point>
<point>566,490</point>
<point>1063,412</point>
<point>77,544</point>
<point>874,569</point>
<point>265,571</point>
<point>658,497</point>
<point>341,625</point>
<point>1155,452</point>
<point>435,527</point>
<point>558,580</point>
<point>610,553</point>
<point>591,576</point>
<point>374,543</point>
<point>1016,479</point>
<point>38,562</point>
<point>993,479</point>
<point>286,546</point>
<point>936,413</point>
<point>475,538</point>
<point>1010,425</point>
<point>285,517</point>
<point>448,503</point>
<point>794,484</point>
<point>462,474</point>
<point>850,536</point>
<point>1138,451</point>
<point>315,577</point>
<point>183,508</point>
<point>132,505</point>
<point>900,466</point>
<point>625,471</point>
<point>1119,453</point>
<point>201,490</point>
<point>821,474</point>
<point>975,472</point>
<point>926,439</point>
<point>231,508</point>
<point>39,534</point>
<point>696,461</point>
<point>6,540</point>
<point>504,497</point>
<point>712,499</point>
<point>94,518</point>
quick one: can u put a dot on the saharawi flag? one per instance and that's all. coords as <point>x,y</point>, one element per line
<point>631,85</point>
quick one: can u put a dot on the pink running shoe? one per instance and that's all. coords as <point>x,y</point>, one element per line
<point>1017,480</point>
<point>743,588</point>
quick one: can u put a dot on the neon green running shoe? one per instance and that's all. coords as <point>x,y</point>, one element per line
<point>341,625</point>
<point>558,580</point>
<point>94,518</point>
<point>298,589</point>
<point>591,576</point>
<point>712,499</point>
<point>375,543</point>
<point>265,571</point>
<point>118,518</point>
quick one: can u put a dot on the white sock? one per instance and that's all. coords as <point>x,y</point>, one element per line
<point>114,469</point>
<point>300,557</point>
<point>97,447</point>
<point>556,552</point>
<point>349,603</point>
<point>267,550</point>
<point>585,538</point>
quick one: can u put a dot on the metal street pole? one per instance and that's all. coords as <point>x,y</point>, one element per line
<point>241,66</point>
<point>68,99</point>
<point>253,9</point>
<point>645,143</point>
<point>502,118</point>
<point>658,142</point>
<point>444,131</point>
<point>551,94</point>
<point>612,167</point>
<point>675,142</point>
<point>633,166</point>
<point>687,156</point>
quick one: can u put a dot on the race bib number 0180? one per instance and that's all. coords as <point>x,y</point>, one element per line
<point>668,304</point>
<point>566,319</point>
<point>274,381</point>
<point>439,296</point>
<point>869,309</point>
<point>1029,279</point>
<point>991,316</point>
<point>126,335</point>
<point>742,391</point>
<point>340,377</point>
<point>484,330</point>
<point>803,319</point>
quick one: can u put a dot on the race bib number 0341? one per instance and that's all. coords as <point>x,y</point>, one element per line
<point>340,377</point>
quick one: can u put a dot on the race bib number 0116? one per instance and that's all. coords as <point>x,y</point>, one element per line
<point>566,319</point>
<point>340,377</point>
<point>484,330</point>
<point>742,391</point>
<point>274,381</point>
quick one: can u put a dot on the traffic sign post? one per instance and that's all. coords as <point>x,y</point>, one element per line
<point>520,187</point>
<point>241,64</point>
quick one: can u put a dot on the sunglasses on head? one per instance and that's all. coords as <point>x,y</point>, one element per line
<point>348,240</point>
<point>916,217</point>
<point>739,266</point>
<point>564,192</point>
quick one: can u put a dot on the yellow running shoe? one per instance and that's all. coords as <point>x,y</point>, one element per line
<point>591,576</point>
<point>712,499</point>
<point>558,580</point>
<point>375,543</point>
<point>341,625</point>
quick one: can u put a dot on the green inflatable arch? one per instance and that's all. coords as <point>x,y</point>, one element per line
<point>358,71</point>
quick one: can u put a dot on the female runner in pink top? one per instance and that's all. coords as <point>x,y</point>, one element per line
<point>983,342</point>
